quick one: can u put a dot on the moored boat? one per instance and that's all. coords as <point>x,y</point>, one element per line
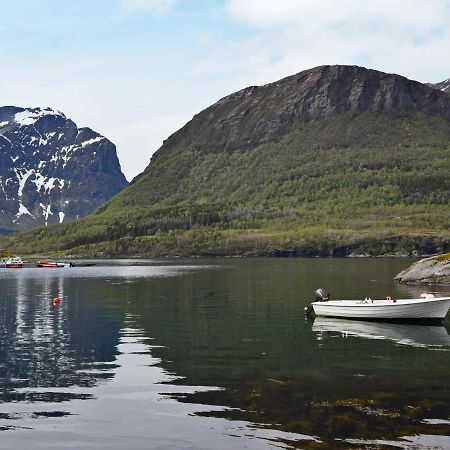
<point>13,263</point>
<point>427,307</point>
<point>48,264</point>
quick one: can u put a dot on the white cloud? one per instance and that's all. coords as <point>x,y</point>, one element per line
<point>137,140</point>
<point>415,15</point>
<point>410,37</point>
<point>155,6</point>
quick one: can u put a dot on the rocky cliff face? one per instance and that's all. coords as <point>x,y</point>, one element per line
<point>52,171</point>
<point>260,114</point>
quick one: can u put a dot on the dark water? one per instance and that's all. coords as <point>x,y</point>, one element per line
<point>215,354</point>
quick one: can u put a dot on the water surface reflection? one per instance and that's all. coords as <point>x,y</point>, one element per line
<point>415,335</point>
<point>84,373</point>
<point>211,354</point>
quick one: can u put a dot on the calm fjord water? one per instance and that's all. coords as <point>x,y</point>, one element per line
<point>215,354</point>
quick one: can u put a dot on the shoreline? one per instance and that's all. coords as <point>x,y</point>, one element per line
<point>143,256</point>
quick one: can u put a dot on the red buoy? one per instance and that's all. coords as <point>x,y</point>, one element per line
<point>56,301</point>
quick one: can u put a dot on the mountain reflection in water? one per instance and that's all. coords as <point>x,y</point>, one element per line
<point>47,355</point>
<point>83,373</point>
<point>210,354</point>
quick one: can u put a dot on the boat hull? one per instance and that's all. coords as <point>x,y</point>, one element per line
<point>407,309</point>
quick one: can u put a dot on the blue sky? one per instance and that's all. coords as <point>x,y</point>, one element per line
<point>137,70</point>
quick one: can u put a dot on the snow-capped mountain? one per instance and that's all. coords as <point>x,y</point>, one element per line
<point>443,86</point>
<point>51,170</point>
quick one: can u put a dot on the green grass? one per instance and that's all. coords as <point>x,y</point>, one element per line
<point>370,183</point>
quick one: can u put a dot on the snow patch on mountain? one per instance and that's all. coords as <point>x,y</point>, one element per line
<point>48,183</point>
<point>445,86</point>
<point>4,137</point>
<point>92,141</point>
<point>22,177</point>
<point>22,211</point>
<point>46,211</point>
<point>64,154</point>
<point>31,116</point>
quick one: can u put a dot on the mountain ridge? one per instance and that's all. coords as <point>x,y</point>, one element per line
<point>443,86</point>
<point>331,160</point>
<point>301,104</point>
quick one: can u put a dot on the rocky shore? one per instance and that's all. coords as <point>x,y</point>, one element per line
<point>429,270</point>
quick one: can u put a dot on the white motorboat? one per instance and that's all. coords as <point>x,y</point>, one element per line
<point>429,336</point>
<point>12,263</point>
<point>427,307</point>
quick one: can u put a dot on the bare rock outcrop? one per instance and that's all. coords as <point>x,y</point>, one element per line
<point>429,270</point>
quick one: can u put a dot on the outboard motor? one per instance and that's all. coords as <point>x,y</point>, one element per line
<point>322,295</point>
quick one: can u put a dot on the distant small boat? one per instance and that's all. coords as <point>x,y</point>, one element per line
<point>48,264</point>
<point>13,263</point>
<point>427,307</point>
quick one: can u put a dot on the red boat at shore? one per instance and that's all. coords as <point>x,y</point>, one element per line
<point>51,264</point>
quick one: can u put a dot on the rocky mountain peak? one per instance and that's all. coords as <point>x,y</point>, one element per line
<point>259,114</point>
<point>51,170</point>
<point>443,86</point>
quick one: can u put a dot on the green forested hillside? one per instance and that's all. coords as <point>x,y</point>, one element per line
<point>370,175</point>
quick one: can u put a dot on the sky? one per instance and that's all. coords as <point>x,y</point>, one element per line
<point>137,70</point>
